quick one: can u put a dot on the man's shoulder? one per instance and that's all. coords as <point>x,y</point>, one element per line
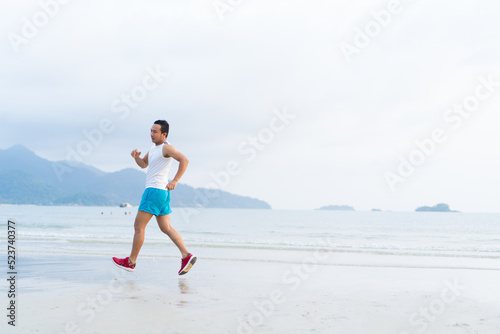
<point>167,147</point>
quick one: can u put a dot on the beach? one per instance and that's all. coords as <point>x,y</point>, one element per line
<point>68,294</point>
<point>258,286</point>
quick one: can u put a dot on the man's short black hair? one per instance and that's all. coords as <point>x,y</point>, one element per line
<point>164,125</point>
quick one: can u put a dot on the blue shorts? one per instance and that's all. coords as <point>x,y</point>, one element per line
<point>156,201</point>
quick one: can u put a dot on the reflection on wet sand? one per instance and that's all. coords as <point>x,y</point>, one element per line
<point>184,289</point>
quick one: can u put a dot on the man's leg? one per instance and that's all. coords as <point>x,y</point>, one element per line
<point>165,227</point>
<point>141,220</point>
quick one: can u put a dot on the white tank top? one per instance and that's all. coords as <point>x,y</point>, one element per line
<point>159,166</point>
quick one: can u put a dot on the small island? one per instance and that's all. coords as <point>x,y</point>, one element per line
<point>441,207</point>
<point>337,207</point>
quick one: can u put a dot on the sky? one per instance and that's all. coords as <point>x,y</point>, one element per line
<point>374,104</point>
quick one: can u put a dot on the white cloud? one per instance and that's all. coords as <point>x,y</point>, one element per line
<point>353,119</point>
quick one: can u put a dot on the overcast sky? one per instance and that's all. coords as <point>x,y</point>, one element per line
<point>298,103</point>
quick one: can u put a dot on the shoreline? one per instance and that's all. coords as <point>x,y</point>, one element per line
<point>134,206</point>
<point>325,257</point>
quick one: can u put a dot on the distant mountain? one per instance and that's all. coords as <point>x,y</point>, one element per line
<point>26,178</point>
<point>441,207</point>
<point>337,207</point>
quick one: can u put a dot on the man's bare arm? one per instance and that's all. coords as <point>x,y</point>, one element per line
<point>141,162</point>
<point>170,151</point>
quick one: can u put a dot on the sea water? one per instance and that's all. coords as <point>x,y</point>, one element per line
<point>262,235</point>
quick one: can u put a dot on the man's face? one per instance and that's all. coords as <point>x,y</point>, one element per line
<point>156,136</point>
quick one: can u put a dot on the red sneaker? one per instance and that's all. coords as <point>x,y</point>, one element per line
<point>187,263</point>
<point>124,264</point>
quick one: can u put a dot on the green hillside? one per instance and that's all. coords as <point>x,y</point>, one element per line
<point>25,178</point>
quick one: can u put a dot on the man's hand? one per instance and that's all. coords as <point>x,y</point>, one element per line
<point>135,154</point>
<point>170,151</point>
<point>171,185</point>
<point>141,162</point>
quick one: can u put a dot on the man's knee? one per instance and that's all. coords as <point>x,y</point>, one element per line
<point>139,228</point>
<point>166,228</point>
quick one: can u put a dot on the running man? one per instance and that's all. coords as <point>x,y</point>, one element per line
<point>156,198</point>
